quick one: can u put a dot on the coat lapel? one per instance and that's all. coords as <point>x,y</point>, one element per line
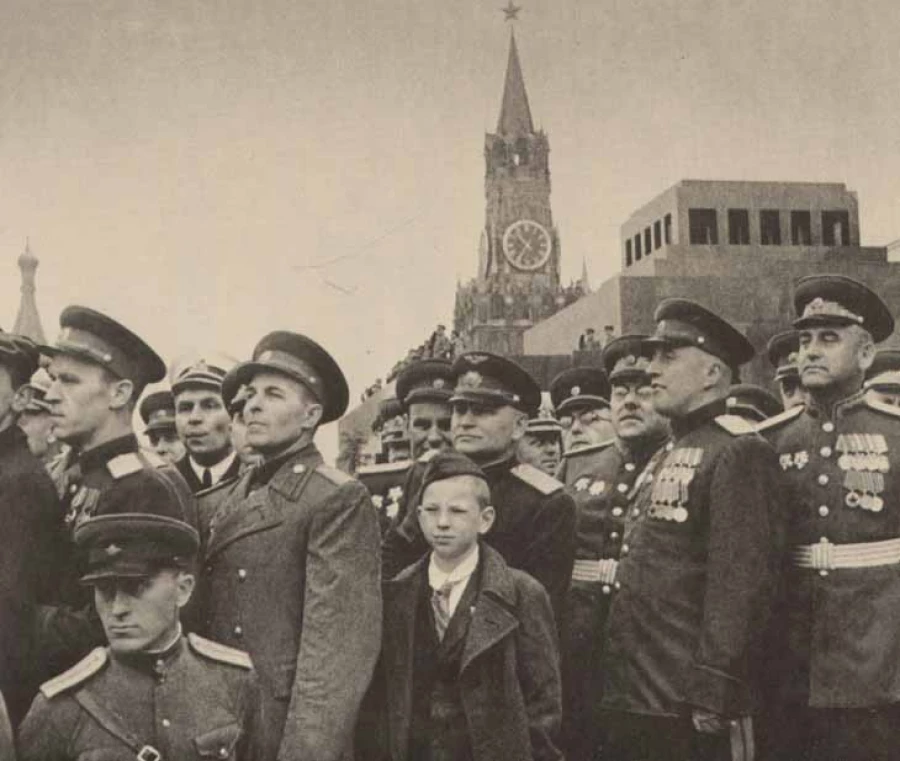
<point>458,626</point>
<point>493,617</point>
<point>401,603</point>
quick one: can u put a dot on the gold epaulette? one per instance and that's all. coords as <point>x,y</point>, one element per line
<point>81,671</point>
<point>335,476</point>
<point>221,653</point>
<point>384,467</point>
<point>590,448</point>
<point>887,409</point>
<point>428,455</point>
<point>735,425</point>
<point>537,478</point>
<point>781,417</point>
<point>124,465</point>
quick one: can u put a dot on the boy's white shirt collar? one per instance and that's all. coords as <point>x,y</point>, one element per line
<point>437,578</point>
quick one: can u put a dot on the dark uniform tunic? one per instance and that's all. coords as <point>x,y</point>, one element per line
<point>695,576</point>
<point>601,478</point>
<point>291,575</point>
<point>534,529</point>
<point>841,633</point>
<point>386,484</point>
<point>197,700</point>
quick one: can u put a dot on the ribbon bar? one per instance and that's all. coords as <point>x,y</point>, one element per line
<point>599,571</point>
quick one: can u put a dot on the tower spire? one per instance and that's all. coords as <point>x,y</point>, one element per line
<point>515,113</point>
<point>585,284</point>
<point>28,322</point>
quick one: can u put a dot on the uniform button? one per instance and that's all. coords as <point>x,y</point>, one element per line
<point>617,511</point>
<point>823,539</point>
<point>242,573</point>
<point>629,466</point>
<point>670,446</point>
<point>223,752</point>
<point>825,451</point>
<point>166,723</point>
<point>617,585</point>
<point>823,510</point>
<point>625,549</point>
<point>822,479</point>
<point>622,488</point>
<point>614,535</point>
<point>160,664</point>
<point>828,426</point>
<point>238,630</point>
<point>823,573</point>
<point>606,589</point>
<point>635,512</point>
<point>73,488</point>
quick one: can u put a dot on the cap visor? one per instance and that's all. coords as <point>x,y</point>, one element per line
<point>582,402</point>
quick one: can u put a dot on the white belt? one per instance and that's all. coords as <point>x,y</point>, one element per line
<point>826,556</point>
<point>601,571</point>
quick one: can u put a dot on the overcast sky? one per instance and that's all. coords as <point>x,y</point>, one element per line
<point>209,171</point>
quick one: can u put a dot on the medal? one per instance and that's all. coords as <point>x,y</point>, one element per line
<point>680,514</point>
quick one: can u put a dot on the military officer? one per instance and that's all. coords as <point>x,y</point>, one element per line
<point>204,425</point>
<point>697,561</point>
<point>535,525</point>
<point>98,369</point>
<point>36,420</point>
<point>782,352</point>
<point>883,377</point>
<point>157,410</point>
<point>541,445</point>
<point>839,675</point>
<point>601,478</point>
<point>393,431</point>
<point>581,399</point>
<point>753,403</point>
<point>31,532</point>
<point>291,570</point>
<point>423,390</point>
<point>152,693</point>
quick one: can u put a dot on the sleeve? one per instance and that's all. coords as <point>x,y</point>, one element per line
<point>39,739</point>
<point>742,552</point>
<point>403,542</point>
<point>252,741</point>
<point>537,663</point>
<point>341,634</point>
<point>551,551</point>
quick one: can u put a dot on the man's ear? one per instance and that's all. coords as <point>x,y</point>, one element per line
<point>520,425</point>
<point>22,398</point>
<point>312,417</point>
<point>866,353</point>
<point>121,393</point>
<point>186,583</point>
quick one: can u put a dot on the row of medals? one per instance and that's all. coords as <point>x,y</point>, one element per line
<point>864,462</point>
<point>670,485</point>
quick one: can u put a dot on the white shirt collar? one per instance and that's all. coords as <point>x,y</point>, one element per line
<point>215,471</point>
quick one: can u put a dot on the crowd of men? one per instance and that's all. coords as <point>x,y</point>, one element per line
<point>660,563</point>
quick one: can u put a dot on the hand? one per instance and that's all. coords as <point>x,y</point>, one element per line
<point>707,722</point>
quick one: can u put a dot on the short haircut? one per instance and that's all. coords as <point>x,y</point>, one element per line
<point>480,489</point>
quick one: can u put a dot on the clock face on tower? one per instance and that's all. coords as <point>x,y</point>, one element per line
<point>526,244</point>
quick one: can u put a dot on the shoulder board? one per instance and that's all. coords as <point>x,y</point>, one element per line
<point>223,484</point>
<point>536,478</point>
<point>589,449</point>
<point>384,467</point>
<point>124,465</point>
<point>337,477</point>
<point>887,409</point>
<point>781,417</point>
<point>84,669</point>
<point>735,425</point>
<point>428,455</point>
<point>221,653</point>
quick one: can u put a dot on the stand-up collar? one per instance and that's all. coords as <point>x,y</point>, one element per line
<point>103,453</point>
<point>303,452</point>
<point>695,418</point>
<point>835,409</point>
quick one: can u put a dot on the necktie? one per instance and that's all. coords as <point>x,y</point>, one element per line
<point>206,481</point>
<point>440,604</point>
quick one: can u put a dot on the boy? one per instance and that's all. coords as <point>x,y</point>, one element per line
<point>470,657</point>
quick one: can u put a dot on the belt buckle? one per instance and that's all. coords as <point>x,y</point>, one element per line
<point>149,753</point>
<point>823,555</point>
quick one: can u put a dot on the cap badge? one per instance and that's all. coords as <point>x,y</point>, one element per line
<point>576,390</point>
<point>438,383</point>
<point>266,356</point>
<point>470,379</point>
<point>630,360</point>
<point>476,359</point>
<point>819,307</point>
<point>112,550</point>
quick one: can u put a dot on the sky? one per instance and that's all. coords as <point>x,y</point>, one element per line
<point>209,171</point>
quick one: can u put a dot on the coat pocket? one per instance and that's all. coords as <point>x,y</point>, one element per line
<point>218,743</point>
